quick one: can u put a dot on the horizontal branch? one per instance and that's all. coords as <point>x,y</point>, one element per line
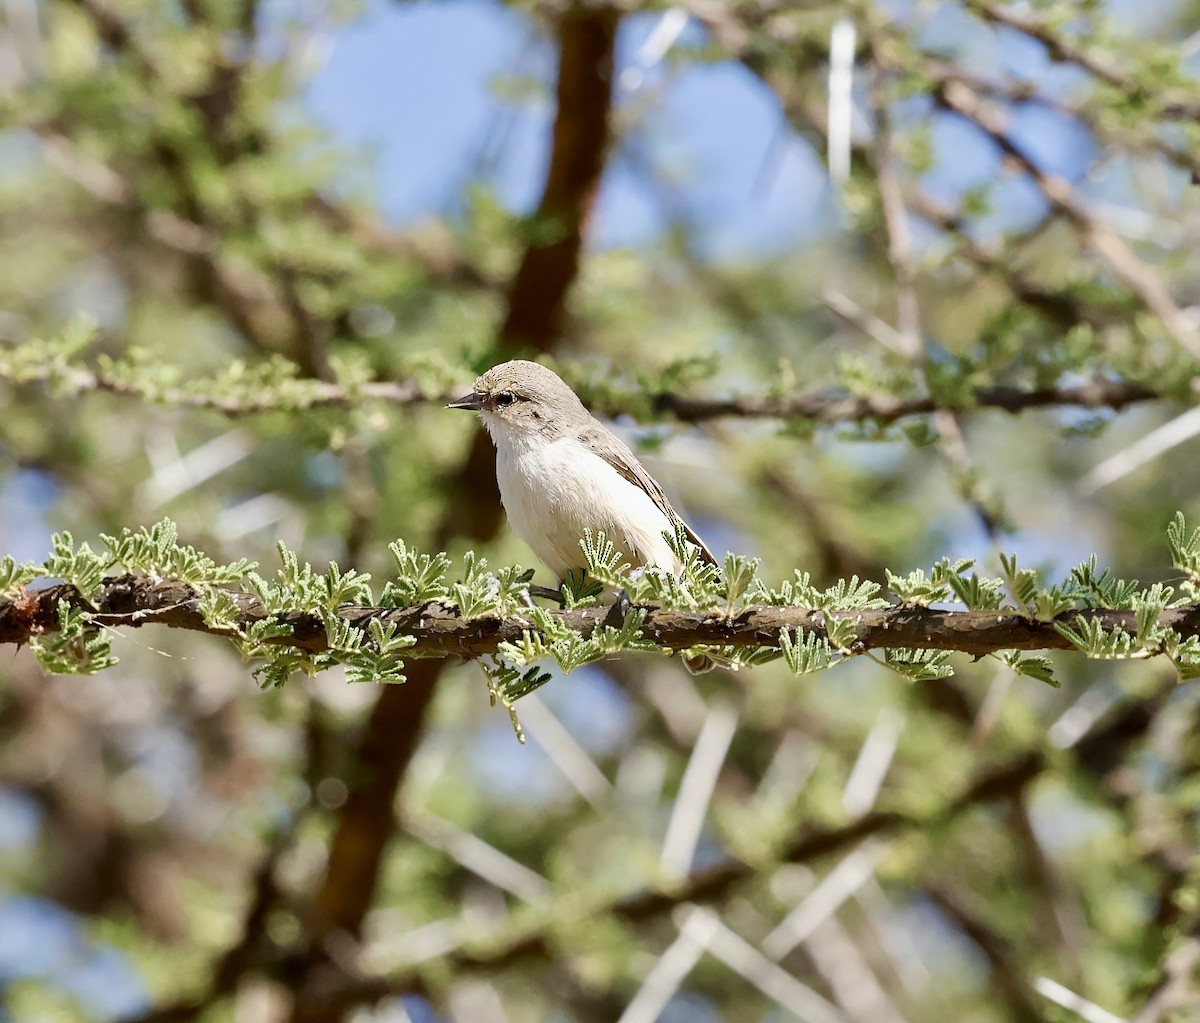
<point>291,396</point>
<point>819,408</point>
<point>826,409</point>
<point>440,631</point>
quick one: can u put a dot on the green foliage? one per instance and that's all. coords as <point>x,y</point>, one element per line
<point>273,384</point>
<point>419,577</point>
<point>53,361</point>
<point>156,552</point>
<point>1049,603</point>
<point>475,594</point>
<point>297,589</point>
<point>378,660</point>
<point>976,593</point>
<point>917,588</point>
<point>1185,547</point>
<point>1101,588</point>
<point>806,653</point>
<point>919,665</point>
<point>737,577</point>
<point>374,651</point>
<point>1034,665</point>
<point>579,589</point>
<point>845,595</point>
<point>841,631</point>
<point>281,664</point>
<point>81,567</point>
<point>1090,636</point>
<point>1184,654</point>
<point>350,587</point>
<point>15,577</point>
<point>850,594</point>
<point>265,630</point>
<point>680,374</point>
<point>697,586</point>
<point>344,639</point>
<point>506,685</point>
<point>219,609</point>
<point>152,551</point>
<point>603,561</point>
<point>867,377</point>
<point>637,391</point>
<point>512,589</point>
<point>1022,583</point>
<point>1148,606</point>
<point>948,578</point>
<point>569,648</point>
<point>76,648</point>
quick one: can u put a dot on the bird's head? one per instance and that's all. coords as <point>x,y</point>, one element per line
<point>523,397</point>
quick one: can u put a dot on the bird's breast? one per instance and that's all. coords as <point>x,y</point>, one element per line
<point>553,490</point>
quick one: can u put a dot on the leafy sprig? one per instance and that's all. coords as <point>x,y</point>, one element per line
<point>155,551</point>
<point>76,648</point>
<point>260,613</point>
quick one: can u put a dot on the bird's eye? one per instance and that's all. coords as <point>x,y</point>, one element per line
<point>505,398</point>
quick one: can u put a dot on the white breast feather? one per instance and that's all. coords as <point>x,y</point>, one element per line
<point>552,490</point>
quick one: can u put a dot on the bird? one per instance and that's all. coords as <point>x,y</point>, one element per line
<point>561,471</point>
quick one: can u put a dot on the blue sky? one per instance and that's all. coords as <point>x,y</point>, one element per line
<point>436,96</point>
<point>744,181</point>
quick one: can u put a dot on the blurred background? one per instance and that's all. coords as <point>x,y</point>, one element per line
<point>886,200</point>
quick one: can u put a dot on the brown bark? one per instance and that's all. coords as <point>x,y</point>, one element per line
<point>439,630</point>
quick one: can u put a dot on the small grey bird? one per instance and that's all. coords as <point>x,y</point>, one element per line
<point>561,470</point>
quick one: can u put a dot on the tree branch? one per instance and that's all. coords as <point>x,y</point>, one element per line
<point>886,409</point>
<point>821,408</point>
<point>736,31</point>
<point>1060,48</point>
<point>439,630</point>
<point>957,96</point>
<point>582,130</point>
<point>1007,975</point>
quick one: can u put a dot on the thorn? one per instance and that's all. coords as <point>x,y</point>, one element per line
<point>618,610</point>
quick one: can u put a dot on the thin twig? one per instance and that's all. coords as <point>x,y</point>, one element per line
<point>1061,48</point>
<point>1076,1003</point>
<point>1139,277</point>
<point>696,790</point>
<point>479,857</point>
<point>822,902</point>
<point>580,770</point>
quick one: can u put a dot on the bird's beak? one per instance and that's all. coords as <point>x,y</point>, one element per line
<point>472,402</point>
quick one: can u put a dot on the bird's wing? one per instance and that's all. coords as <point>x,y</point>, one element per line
<point>603,442</point>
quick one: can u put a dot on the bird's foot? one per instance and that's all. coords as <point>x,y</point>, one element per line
<point>546,593</point>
